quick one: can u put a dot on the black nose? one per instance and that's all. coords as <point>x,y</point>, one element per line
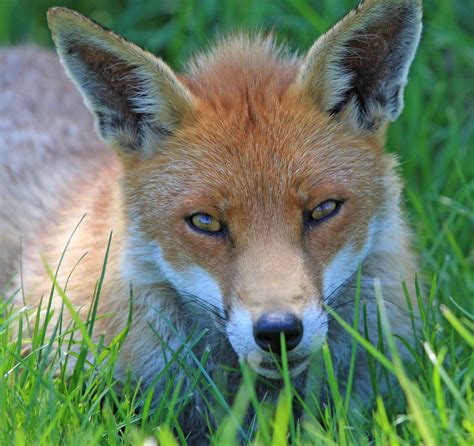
<point>267,329</point>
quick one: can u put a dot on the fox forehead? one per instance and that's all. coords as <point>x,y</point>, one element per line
<point>259,154</point>
<point>250,120</point>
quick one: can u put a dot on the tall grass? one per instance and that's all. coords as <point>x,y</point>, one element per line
<point>433,400</point>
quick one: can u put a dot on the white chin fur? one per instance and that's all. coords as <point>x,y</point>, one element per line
<point>255,359</point>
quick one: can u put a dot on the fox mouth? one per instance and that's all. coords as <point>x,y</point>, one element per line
<point>272,368</point>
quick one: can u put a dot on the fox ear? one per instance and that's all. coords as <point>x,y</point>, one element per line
<point>358,69</point>
<point>135,97</point>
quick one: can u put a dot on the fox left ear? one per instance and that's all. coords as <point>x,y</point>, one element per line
<point>358,69</point>
<point>136,99</point>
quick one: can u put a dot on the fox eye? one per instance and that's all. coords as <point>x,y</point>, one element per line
<point>205,223</point>
<point>324,210</point>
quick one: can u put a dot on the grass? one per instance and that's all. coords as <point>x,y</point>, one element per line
<point>434,138</point>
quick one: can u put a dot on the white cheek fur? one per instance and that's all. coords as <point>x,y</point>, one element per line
<point>240,331</point>
<point>346,262</point>
<point>315,326</point>
<point>143,263</point>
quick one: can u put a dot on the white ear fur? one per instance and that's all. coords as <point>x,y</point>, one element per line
<point>358,69</point>
<point>135,97</point>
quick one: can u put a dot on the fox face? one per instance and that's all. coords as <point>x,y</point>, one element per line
<point>255,184</point>
<point>276,241</point>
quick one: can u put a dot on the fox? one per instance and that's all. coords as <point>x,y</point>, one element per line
<point>245,196</point>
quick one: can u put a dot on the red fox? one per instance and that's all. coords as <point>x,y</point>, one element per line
<point>243,194</point>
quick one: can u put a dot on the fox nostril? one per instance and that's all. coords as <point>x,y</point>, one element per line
<point>267,331</point>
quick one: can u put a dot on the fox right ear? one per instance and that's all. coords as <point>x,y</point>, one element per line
<point>135,97</point>
<point>357,70</point>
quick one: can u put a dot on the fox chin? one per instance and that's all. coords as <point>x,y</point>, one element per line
<point>244,194</point>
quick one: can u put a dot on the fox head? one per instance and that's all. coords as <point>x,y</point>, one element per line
<point>255,183</point>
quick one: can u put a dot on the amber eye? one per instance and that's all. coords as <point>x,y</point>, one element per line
<point>324,210</point>
<point>205,223</point>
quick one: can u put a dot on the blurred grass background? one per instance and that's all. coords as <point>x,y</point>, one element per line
<point>434,136</point>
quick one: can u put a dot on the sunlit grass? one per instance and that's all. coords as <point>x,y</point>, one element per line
<point>48,405</point>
